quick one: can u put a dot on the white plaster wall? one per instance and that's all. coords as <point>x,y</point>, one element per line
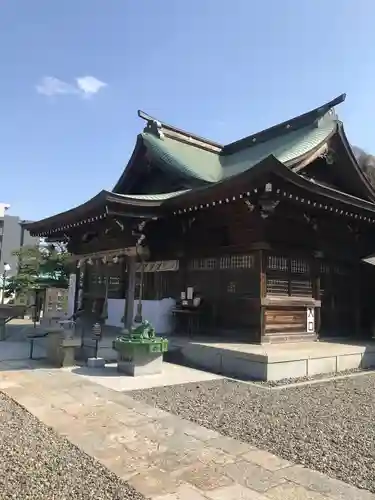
<point>157,312</point>
<point>116,308</point>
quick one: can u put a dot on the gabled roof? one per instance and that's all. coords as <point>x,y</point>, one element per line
<point>208,169</point>
<point>202,161</point>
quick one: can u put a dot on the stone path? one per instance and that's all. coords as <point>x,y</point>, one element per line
<point>162,456</point>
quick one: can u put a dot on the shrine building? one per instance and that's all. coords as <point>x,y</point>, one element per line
<point>269,232</point>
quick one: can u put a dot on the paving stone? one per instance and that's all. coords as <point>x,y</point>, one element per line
<point>183,492</point>
<point>316,481</point>
<point>7,384</point>
<point>204,477</point>
<point>154,482</point>
<point>157,431</point>
<point>291,491</point>
<point>125,436</point>
<point>56,418</point>
<point>180,443</point>
<point>131,418</point>
<point>230,445</point>
<point>266,460</point>
<point>144,447</point>
<point>212,455</point>
<point>197,431</point>
<point>252,476</point>
<point>139,407</point>
<point>170,461</point>
<point>74,409</point>
<point>122,463</point>
<point>235,492</point>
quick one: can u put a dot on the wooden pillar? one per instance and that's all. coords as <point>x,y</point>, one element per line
<point>262,292</point>
<point>315,276</point>
<point>357,301</point>
<point>130,292</point>
<point>77,289</point>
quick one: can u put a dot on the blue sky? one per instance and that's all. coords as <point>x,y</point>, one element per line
<point>74,73</point>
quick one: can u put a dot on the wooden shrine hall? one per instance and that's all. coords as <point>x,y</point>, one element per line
<point>269,231</point>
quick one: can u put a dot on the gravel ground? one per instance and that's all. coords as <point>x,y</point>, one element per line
<point>329,427</point>
<point>319,376</point>
<point>36,464</point>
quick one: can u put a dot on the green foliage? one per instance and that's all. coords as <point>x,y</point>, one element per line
<point>39,264</point>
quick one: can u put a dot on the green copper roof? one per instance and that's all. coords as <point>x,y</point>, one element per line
<point>190,160</point>
<point>211,167</point>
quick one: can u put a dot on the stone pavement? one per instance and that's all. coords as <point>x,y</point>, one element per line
<point>161,455</point>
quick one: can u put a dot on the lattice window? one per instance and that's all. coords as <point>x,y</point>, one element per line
<point>277,263</point>
<point>288,277</point>
<point>277,286</point>
<point>301,288</point>
<point>324,268</point>
<point>94,278</point>
<point>114,280</point>
<point>203,264</point>
<point>299,266</point>
<point>231,288</point>
<point>237,262</point>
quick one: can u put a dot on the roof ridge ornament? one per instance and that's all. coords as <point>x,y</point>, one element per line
<point>155,127</point>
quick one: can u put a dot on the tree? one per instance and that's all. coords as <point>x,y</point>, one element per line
<point>48,263</point>
<point>366,162</point>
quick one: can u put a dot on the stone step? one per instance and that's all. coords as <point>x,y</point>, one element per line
<point>278,338</point>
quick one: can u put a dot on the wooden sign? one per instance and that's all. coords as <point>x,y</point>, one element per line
<point>310,320</point>
<point>97,331</point>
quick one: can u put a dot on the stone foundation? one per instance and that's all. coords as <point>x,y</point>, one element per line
<point>141,364</point>
<point>277,362</point>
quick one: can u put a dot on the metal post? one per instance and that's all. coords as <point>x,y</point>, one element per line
<point>3,288</point>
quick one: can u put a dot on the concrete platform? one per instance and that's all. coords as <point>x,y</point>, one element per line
<point>172,374</point>
<point>275,361</point>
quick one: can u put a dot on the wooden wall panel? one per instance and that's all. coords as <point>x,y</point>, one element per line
<point>285,320</point>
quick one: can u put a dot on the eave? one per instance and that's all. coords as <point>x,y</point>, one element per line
<point>245,184</point>
<point>108,204</point>
<point>105,204</point>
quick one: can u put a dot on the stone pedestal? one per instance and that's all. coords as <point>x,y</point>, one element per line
<point>2,329</point>
<point>50,322</point>
<point>96,362</point>
<point>61,347</point>
<point>140,363</point>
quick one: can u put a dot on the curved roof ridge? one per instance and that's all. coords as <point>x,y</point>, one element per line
<point>285,127</point>
<point>178,131</point>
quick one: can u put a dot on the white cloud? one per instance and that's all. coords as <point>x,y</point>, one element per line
<point>49,85</point>
<point>85,86</point>
<point>89,85</point>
